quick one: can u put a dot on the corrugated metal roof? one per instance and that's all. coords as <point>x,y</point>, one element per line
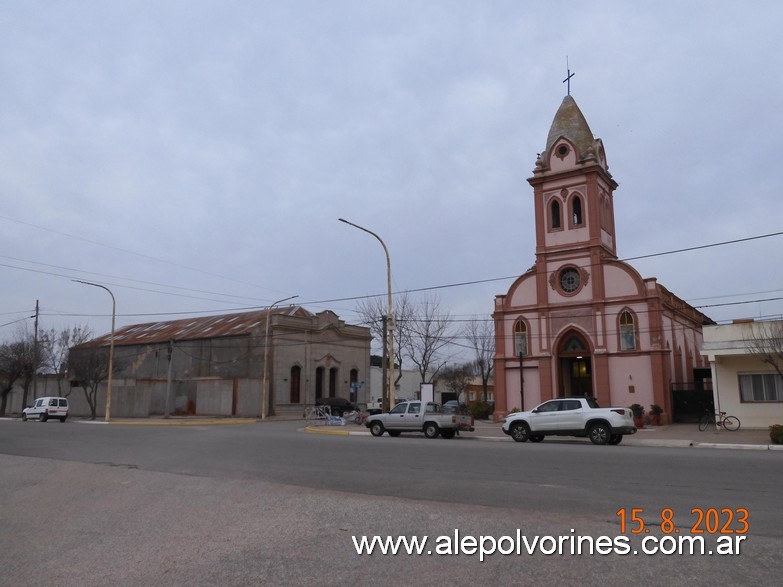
<point>193,328</point>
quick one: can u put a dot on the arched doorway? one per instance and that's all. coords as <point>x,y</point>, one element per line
<point>575,366</point>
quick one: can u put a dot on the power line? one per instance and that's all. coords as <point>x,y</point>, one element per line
<point>731,242</point>
<point>129,252</point>
<point>314,302</point>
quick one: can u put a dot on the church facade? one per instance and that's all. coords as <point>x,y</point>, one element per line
<point>581,321</point>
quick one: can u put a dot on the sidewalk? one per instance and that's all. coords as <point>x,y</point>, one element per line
<point>672,435</point>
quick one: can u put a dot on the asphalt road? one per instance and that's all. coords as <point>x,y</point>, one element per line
<point>267,504</point>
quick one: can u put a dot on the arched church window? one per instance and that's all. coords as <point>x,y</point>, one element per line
<point>520,338</point>
<point>627,332</point>
<point>576,207</point>
<point>555,213</point>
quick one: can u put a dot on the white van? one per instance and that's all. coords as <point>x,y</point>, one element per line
<point>47,407</point>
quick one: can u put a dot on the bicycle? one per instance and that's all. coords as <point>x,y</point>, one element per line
<point>719,419</point>
<point>357,417</point>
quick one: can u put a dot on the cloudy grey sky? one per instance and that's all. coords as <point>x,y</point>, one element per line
<point>194,156</point>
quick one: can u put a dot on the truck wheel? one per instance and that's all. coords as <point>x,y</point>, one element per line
<point>447,434</point>
<point>616,439</point>
<point>536,437</point>
<point>520,432</point>
<point>24,417</point>
<point>600,434</point>
<point>44,417</point>
<point>63,418</point>
<point>376,429</point>
<point>431,430</point>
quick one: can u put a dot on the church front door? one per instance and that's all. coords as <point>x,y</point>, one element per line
<point>576,373</point>
<point>577,377</point>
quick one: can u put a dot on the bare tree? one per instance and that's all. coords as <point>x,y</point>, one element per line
<point>480,334</point>
<point>20,363</point>
<point>765,342</point>
<point>55,347</point>
<point>456,378</point>
<point>12,368</point>
<point>90,368</point>
<point>427,334</point>
<point>372,311</point>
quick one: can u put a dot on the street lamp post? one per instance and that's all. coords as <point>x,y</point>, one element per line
<point>390,314</point>
<point>111,344</point>
<point>266,356</point>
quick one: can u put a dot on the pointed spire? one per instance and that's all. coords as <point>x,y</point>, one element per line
<point>570,124</point>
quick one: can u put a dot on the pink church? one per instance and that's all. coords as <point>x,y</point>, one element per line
<point>581,321</point>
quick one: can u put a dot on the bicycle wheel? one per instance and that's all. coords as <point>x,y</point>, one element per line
<point>731,423</point>
<point>705,421</point>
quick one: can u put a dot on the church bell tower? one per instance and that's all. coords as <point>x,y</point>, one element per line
<point>573,190</point>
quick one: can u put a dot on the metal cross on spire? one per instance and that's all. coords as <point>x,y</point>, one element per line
<point>570,75</point>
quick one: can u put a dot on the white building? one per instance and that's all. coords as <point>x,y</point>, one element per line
<point>743,386</point>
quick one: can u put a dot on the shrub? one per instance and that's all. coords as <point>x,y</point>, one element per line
<point>514,410</point>
<point>776,433</point>
<point>480,410</point>
<point>637,410</point>
<point>656,409</point>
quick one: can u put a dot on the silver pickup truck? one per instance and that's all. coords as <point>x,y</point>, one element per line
<point>416,416</point>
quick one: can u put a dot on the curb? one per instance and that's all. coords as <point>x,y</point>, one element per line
<point>319,430</point>
<point>672,443</point>
<point>178,423</point>
<point>738,446</point>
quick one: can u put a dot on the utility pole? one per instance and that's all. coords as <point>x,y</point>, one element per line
<point>385,368</point>
<point>167,410</point>
<point>264,392</point>
<point>390,314</point>
<point>521,383</point>
<point>35,353</point>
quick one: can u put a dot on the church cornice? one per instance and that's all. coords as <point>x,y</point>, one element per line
<point>541,177</point>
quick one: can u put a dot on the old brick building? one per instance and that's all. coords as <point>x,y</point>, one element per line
<point>214,365</point>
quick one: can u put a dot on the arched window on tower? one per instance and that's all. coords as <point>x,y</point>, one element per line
<point>627,332</point>
<point>520,338</point>
<point>576,208</point>
<point>555,214</point>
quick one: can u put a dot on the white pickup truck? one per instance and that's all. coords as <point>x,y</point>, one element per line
<point>572,416</point>
<point>417,416</point>
<point>375,407</point>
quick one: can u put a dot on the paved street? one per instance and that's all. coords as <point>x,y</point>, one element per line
<point>271,504</point>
